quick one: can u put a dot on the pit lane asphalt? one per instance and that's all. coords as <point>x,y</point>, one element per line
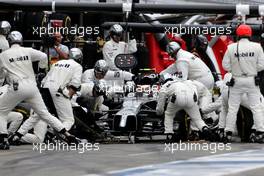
<point>24,160</point>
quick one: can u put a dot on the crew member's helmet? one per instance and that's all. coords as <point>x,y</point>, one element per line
<point>244,31</point>
<point>100,68</point>
<point>172,48</point>
<point>15,37</point>
<point>76,54</point>
<point>117,30</point>
<point>5,27</point>
<point>201,43</point>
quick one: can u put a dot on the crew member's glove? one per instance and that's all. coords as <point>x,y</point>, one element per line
<point>131,35</point>
<point>100,88</point>
<point>67,137</point>
<point>130,86</point>
<point>40,76</point>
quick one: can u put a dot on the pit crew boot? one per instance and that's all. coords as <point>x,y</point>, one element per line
<point>220,134</point>
<point>194,136</point>
<point>4,145</point>
<point>260,137</point>
<point>169,138</point>
<point>15,139</point>
<point>253,136</point>
<point>208,134</point>
<point>227,137</point>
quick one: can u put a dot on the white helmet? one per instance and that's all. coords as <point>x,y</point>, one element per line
<point>15,37</point>
<point>76,54</point>
<point>101,67</point>
<point>172,48</point>
<point>5,27</point>
<point>116,29</point>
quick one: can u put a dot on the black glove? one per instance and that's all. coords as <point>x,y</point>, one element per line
<point>40,76</point>
<point>67,137</point>
<point>100,89</point>
<point>131,35</point>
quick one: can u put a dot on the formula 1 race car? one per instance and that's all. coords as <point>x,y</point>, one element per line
<point>133,110</point>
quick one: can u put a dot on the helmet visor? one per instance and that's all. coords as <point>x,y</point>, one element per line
<point>99,74</point>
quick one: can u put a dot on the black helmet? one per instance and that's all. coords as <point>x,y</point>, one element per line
<point>201,43</point>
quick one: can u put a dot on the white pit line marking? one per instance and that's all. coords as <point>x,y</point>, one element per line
<point>140,154</point>
<point>214,165</point>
